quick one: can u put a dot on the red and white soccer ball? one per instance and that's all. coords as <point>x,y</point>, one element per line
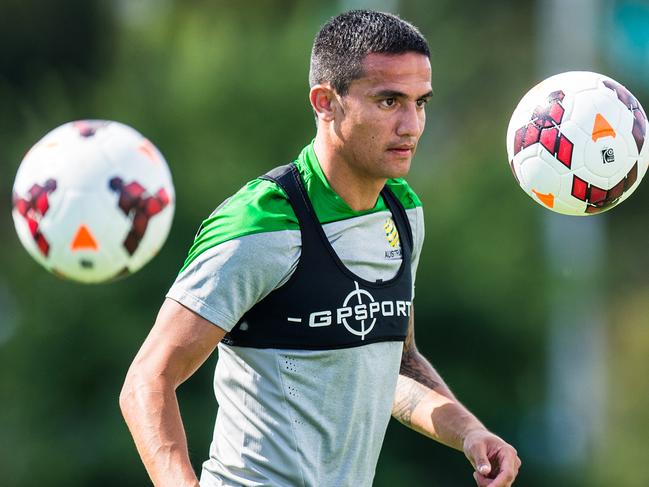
<point>576,143</point>
<point>93,200</point>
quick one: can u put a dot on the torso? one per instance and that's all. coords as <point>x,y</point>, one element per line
<point>289,416</point>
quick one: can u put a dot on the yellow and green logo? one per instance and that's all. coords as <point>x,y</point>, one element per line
<point>391,233</point>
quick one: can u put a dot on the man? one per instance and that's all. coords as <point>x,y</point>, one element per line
<point>305,279</point>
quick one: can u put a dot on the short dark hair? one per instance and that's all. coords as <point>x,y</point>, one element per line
<point>345,40</point>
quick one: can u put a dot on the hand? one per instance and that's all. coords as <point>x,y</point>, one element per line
<point>496,462</point>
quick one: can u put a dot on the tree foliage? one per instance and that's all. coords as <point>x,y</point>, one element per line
<point>221,89</point>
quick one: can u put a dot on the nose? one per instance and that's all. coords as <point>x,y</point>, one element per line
<point>411,121</point>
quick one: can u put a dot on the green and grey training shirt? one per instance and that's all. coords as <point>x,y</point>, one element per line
<point>294,417</point>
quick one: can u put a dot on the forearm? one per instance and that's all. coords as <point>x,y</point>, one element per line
<point>424,403</point>
<point>151,411</point>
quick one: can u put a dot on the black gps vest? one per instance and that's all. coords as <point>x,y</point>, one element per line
<point>324,305</point>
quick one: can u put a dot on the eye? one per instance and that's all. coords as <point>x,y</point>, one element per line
<point>421,103</point>
<point>388,102</point>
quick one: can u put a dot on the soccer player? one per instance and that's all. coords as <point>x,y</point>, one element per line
<point>304,279</point>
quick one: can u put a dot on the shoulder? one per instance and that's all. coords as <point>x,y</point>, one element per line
<point>404,193</point>
<point>260,206</point>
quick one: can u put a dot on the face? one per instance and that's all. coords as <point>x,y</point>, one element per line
<point>383,115</point>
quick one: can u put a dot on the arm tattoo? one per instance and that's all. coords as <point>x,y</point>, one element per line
<point>408,395</point>
<point>414,366</point>
<point>416,378</point>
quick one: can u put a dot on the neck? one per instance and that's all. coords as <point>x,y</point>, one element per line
<point>357,189</point>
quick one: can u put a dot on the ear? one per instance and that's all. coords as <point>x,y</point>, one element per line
<point>324,102</point>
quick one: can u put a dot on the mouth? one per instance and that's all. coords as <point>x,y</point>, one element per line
<point>402,150</point>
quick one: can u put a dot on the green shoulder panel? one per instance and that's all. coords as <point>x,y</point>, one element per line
<point>404,192</point>
<point>260,206</point>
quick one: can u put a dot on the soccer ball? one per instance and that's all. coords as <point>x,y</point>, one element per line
<point>576,143</point>
<point>93,200</point>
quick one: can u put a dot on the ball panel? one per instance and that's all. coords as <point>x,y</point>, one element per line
<point>157,231</point>
<point>540,181</point>
<point>568,153</point>
<point>639,130</point>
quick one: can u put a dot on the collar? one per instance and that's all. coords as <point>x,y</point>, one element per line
<point>326,202</point>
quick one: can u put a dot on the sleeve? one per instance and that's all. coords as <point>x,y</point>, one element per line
<point>228,279</point>
<point>247,248</point>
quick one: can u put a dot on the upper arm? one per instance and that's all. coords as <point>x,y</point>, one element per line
<point>409,343</point>
<point>177,345</point>
<point>413,364</point>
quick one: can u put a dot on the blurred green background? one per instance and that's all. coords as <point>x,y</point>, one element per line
<point>221,88</point>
